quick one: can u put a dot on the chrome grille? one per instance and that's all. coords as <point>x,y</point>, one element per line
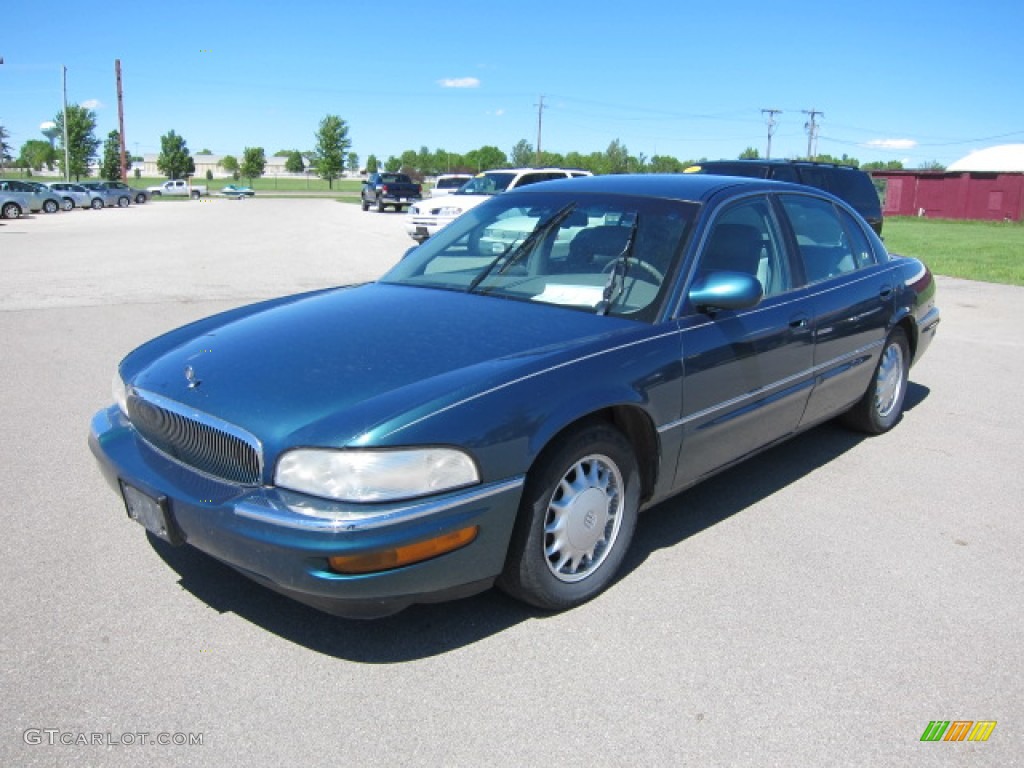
<point>196,439</point>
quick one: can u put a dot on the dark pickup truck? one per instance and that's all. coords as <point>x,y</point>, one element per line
<point>394,189</point>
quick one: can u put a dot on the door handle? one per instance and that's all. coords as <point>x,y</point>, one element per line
<point>885,291</point>
<point>798,321</point>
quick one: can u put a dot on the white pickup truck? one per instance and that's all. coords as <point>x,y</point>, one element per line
<point>177,188</point>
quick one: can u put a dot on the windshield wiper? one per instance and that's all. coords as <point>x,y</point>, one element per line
<point>515,253</point>
<point>617,279</point>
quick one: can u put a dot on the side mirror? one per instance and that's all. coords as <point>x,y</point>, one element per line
<point>726,290</point>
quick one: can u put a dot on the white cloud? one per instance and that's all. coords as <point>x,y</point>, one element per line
<point>92,104</point>
<point>891,144</point>
<point>459,82</point>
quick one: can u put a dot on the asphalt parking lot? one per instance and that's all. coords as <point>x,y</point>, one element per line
<point>819,605</point>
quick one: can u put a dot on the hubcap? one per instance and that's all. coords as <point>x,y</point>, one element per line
<point>583,518</point>
<point>890,380</point>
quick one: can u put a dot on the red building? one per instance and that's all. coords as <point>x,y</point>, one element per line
<point>985,195</point>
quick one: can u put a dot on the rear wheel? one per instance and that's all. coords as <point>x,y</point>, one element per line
<point>366,205</point>
<point>882,405</point>
<point>50,206</point>
<point>380,206</point>
<point>10,211</point>
<point>123,201</point>
<point>575,521</point>
<point>195,195</point>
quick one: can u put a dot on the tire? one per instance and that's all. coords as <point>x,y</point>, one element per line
<point>575,521</point>
<point>365,205</point>
<point>10,211</point>
<point>140,198</point>
<point>68,204</point>
<point>50,206</point>
<point>195,195</point>
<point>380,206</point>
<point>96,204</point>
<point>882,405</point>
<point>124,201</point>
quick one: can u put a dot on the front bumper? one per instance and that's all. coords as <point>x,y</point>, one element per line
<point>283,539</point>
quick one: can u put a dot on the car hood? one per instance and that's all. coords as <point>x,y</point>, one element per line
<point>326,368</point>
<point>463,202</point>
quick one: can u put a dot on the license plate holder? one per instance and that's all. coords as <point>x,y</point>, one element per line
<point>152,513</point>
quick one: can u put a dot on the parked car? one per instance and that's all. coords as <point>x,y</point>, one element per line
<point>383,189</point>
<point>502,416</point>
<point>447,183</point>
<point>19,198</point>
<point>426,218</point>
<point>851,184</point>
<point>74,195</point>
<point>138,196</point>
<point>104,196</point>
<point>235,191</point>
<point>51,202</point>
<point>177,188</point>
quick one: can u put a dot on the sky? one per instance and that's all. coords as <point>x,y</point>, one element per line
<point>918,82</point>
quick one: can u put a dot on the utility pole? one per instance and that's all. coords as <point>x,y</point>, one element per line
<point>812,132</point>
<point>771,128</point>
<point>120,116</point>
<point>67,152</point>
<point>540,122</point>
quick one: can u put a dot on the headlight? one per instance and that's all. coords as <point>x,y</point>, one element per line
<point>374,475</point>
<point>119,391</point>
<point>448,211</point>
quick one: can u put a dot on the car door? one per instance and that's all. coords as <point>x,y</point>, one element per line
<point>747,373</point>
<point>851,294</point>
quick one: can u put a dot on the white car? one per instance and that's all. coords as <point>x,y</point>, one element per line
<point>447,183</point>
<point>426,217</point>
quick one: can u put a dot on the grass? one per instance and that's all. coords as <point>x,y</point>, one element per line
<point>990,251</point>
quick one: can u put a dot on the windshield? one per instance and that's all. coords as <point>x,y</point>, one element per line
<point>605,254</point>
<point>486,184</point>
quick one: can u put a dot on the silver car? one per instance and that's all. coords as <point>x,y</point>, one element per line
<point>18,197</point>
<point>51,201</point>
<point>111,197</point>
<point>74,195</point>
<point>139,196</point>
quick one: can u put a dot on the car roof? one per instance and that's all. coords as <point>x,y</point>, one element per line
<point>694,187</point>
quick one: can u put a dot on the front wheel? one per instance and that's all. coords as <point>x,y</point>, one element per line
<point>50,206</point>
<point>123,201</point>
<point>96,204</point>
<point>882,405</point>
<point>576,519</point>
<point>195,195</point>
<point>140,198</point>
<point>68,204</point>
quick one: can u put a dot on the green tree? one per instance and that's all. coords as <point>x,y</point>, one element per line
<point>230,164</point>
<point>352,163</point>
<point>393,164</point>
<point>254,162</point>
<point>332,143</point>
<point>35,153</point>
<point>294,163</point>
<point>664,164</point>
<point>485,158</point>
<point>750,153</point>
<point>931,165</point>
<point>410,161</point>
<point>204,152</point>
<point>110,167</point>
<point>878,165</point>
<point>174,161</point>
<point>5,148</point>
<point>522,155</point>
<point>617,157</point>
<point>371,164</point>
<point>82,142</point>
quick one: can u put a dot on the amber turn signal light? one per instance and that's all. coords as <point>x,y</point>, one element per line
<point>405,555</point>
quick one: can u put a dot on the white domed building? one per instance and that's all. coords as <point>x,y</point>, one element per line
<point>986,185</point>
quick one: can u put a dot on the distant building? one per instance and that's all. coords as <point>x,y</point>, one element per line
<point>985,185</point>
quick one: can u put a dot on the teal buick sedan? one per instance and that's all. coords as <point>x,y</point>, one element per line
<point>500,406</point>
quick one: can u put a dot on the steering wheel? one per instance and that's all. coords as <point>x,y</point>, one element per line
<point>646,266</point>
